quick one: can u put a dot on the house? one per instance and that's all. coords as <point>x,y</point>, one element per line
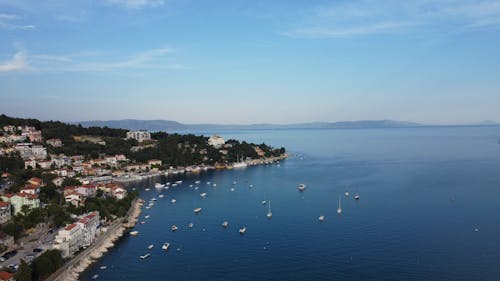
<point>10,128</point>
<point>75,199</point>
<point>64,173</point>
<point>2,151</point>
<point>30,163</point>
<point>5,212</point>
<point>35,136</point>
<point>119,192</point>
<point>58,181</point>
<point>139,136</point>
<point>69,240</point>
<point>154,162</point>
<point>45,164</point>
<point>216,141</point>
<point>120,158</point>
<point>91,227</point>
<point>87,190</point>
<point>36,181</point>
<point>30,189</point>
<point>54,142</point>
<point>6,240</point>
<point>111,160</point>
<point>6,276</point>
<point>19,200</point>
<point>39,152</point>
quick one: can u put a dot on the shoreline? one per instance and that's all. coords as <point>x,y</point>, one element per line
<point>78,264</point>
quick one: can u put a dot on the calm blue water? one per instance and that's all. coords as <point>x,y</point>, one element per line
<point>423,192</point>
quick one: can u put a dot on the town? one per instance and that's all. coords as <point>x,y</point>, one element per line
<point>60,191</point>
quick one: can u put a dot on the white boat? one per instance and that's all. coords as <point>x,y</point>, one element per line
<point>153,199</point>
<point>234,182</point>
<point>346,194</point>
<point>103,267</point>
<point>143,257</point>
<point>173,201</point>
<point>178,182</point>
<point>263,202</point>
<point>356,197</point>
<point>232,189</point>
<point>196,188</point>
<point>339,210</point>
<point>190,185</point>
<point>203,194</point>
<point>148,207</point>
<point>161,196</point>
<point>95,276</point>
<point>134,233</point>
<point>302,187</point>
<point>239,165</point>
<point>165,246</point>
<point>225,224</point>
<point>174,185</point>
<point>146,217</point>
<point>190,225</point>
<point>215,185</point>
<point>151,247</point>
<point>174,228</point>
<point>197,182</point>
<point>269,213</point>
<point>159,185</point>
<point>197,210</point>
<point>251,185</point>
<point>208,183</point>
<point>147,189</point>
<point>243,230</point>
<point>321,218</point>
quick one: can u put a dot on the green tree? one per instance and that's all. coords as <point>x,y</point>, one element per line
<point>24,272</point>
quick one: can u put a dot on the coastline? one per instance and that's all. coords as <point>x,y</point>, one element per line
<point>78,264</point>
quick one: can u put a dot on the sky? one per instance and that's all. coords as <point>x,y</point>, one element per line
<point>433,62</point>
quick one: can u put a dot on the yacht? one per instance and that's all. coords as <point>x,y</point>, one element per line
<point>134,233</point>
<point>269,213</point>
<point>153,199</point>
<point>232,189</point>
<point>151,247</point>
<point>197,182</point>
<point>173,201</point>
<point>356,197</point>
<point>215,185</point>
<point>203,194</point>
<point>174,228</point>
<point>243,230</point>
<point>95,276</point>
<point>225,224</point>
<point>165,246</point>
<point>147,189</point>
<point>178,182</point>
<point>197,210</point>
<point>159,185</point>
<point>161,196</point>
<point>143,257</point>
<point>190,225</point>
<point>263,202</point>
<point>346,194</point>
<point>103,267</point>
<point>302,187</point>
<point>339,210</point>
<point>146,217</point>
<point>321,218</point>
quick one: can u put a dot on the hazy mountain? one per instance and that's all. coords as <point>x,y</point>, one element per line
<point>166,125</point>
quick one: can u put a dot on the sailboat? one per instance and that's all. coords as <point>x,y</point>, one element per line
<point>269,213</point>
<point>339,210</point>
<point>239,163</point>
<point>321,218</point>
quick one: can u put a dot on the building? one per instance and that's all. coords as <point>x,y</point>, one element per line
<point>30,163</point>
<point>5,212</point>
<point>74,198</point>
<point>35,136</point>
<point>69,240</point>
<point>91,226</point>
<point>6,240</point>
<point>6,276</point>
<point>30,189</point>
<point>154,163</point>
<point>54,142</point>
<point>216,141</point>
<point>87,190</point>
<point>139,136</point>
<point>36,181</point>
<point>19,200</point>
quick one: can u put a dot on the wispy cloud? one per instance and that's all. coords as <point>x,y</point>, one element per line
<point>18,62</point>
<point>364,17</point>
<point>136,4</point>
<point>9,21</point>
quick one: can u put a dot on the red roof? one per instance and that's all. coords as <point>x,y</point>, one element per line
<point>9,195</point>
<point>4,204</point>
<point>89,186</point>
<point>4,275</point>
<point>36,180</point>
<point>70,227</point>
<point>27,195</point>
<point>30,186</point>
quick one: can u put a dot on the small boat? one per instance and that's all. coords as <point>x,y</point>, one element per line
<point>302,187</point>
<point>232,189</point>
<point>234,182</point>
<point>165,246</point>
<point>356,197</point>
<point>153,199</point>
<point>95,276</point>
<point>190,185</point>
<point>190,225</point>
<point>339,210</point>
<point>243,230</point>
<point>263,202</point>
<point>103,267</point>
<point>225,224</point>
<point>250,186</point>
<point>203,194</point>
<point>197,210</point>
<point>161,196</point>
<point>269,213</point>
<point>208,183</point>
<point>178,182</point>
<point>174,228</point>
<point>147,217</point>
<point>321,218</point>
<point>174,185</point>
<point>346,194</point>
<point>143,257</point>
<point>197,182</point>
<point>159,185</point>
<point>173,201</point>
<point>143,222</point>
<point>148,207</point>
<point>151,247</point>
<point>196,188</point>
<point>134,233</point>
<point>147,189</point>
<point>214,184</point>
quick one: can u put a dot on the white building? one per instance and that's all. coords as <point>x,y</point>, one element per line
<point>91,227</point>
<point>69,240</point>
<point>216,141</point>
<point>140,136</point>
<point>5,212</point>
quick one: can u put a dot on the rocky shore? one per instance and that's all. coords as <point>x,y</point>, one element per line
<point>71,270</point>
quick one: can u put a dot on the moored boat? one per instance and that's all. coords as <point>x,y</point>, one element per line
<point>143,257</point>
<point>174,228</point>
<point>165,246</point>
<point>243,230</point>
<point>302,187</point>
<point>225,224</point>
<point>197,210</point>
<point>134,233</point>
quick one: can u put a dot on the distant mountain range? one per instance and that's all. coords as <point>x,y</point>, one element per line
<point>166,125</point>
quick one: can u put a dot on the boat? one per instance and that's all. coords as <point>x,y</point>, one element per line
<point>234,182</point>
<point>302,187</point>
<point>251,185</point>
<point>190,225</point>
<point>197,210</point>
<point>225,224</point>
<point>243,230</point>
<point>321,218</point>
<point>346,194</point>
<point>197,182</point>
<point>173,201</point>
<point>239,165</point>
<point>339,210</point>
<point>151,247</point>
<point>215,185</point>
<point>174,185</point>
<point>165,246</point>
<point>147,189</point>
<point>232,189</point>
<point>269,213</point>
<point>103,267</point>
<point>203,194</point>
<point>159,185</point>
<point>263,202</point>
<point>142,222</point>
<point>356,197</point>
<point>208,183</point>
<point>147,217</point>
<point>161,196</point>
<point>190,185</point>
<point>153,199</point>
<point>143,257</point>
<point>134,233</point>
<point>174,228</point>
<point>148,207</point>
<point>95,276</point>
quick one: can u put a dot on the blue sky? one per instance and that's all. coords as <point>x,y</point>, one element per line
<point>251,61</point>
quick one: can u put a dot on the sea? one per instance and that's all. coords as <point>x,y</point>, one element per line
<point>428,209</point>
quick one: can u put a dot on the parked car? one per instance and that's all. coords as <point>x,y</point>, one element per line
<point>37,250</point>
